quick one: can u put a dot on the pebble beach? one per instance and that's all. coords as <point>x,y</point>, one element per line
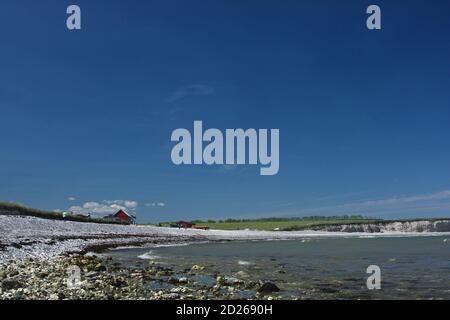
<point>35,255</point>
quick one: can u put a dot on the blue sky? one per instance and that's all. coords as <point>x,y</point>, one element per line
<point>363,115</point>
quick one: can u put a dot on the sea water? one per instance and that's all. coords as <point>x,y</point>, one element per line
<point>411,267</point>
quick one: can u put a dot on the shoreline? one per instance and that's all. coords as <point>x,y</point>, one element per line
<point>103,277</point>
<point>31,237</point>
<point>35,255</point>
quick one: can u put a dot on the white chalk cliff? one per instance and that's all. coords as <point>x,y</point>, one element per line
<point>394,226</point>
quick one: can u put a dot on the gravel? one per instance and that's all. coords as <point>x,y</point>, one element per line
<point>30,237</point>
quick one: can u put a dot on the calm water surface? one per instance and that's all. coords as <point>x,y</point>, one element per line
<point>412,267</point>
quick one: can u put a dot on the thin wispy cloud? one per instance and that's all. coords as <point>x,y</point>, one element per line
<point>191,90</point>
<point>127,203</point>
<point>425,203</point>
<point>155,204</point>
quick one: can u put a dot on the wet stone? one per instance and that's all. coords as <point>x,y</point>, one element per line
<point>268,287</point>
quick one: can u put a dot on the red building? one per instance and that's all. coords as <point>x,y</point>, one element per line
<point>189,225</point>
<point>124,217</point>
<point>185,224</point>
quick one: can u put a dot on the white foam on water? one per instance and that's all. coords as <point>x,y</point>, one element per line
<point>92,254</point>
<point>244,263</point>
<point>180,244</point>
<point>149,256</point>
<point>118,248</point>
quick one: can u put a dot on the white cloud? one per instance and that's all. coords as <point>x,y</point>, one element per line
<point>131,204</point>
<point>104,207</point>
<point>155,204</point>
<point>71,198</point>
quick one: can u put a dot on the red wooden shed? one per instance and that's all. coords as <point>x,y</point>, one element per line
<point>185,224</point>
<point>125,217</point>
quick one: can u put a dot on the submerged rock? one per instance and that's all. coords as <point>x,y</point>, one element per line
<point>91,274</point>
<point>232,281</point>
<point>242,274</point>
<point>175,280</point>
<point>197,267</point>
<point>268,287</point>
<point>42,280</point>
<point>220,281</point>
<point>99,267</point>
<point>10,284</point>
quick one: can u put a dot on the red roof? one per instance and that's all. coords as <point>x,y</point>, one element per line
<point>124,212</point>
<point>124,216</point>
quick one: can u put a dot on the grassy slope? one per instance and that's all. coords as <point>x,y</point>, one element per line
<point>282,224</point>
<point>263,224</point>
<point>301,224</point>
<point>8,208</point>
<point>294,224</point>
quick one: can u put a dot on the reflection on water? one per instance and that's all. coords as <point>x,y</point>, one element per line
<point>411,268</point>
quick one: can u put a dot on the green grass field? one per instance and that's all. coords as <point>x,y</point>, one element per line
<point>272,224</point>
<point>281,225</point>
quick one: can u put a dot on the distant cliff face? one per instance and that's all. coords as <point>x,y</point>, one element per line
<point>397,226</point>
